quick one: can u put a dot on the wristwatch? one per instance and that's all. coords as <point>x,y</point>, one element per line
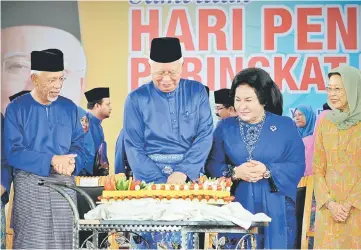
<point>234,177</point>
<point>267,174</point>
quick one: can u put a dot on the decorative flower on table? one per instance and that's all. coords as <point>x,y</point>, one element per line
<point>176,245</point>
<point>120,239</point>
<point>162,246</point>
<point>90,245</point>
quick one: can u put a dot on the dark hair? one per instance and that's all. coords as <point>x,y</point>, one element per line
<point>333,73</point>
<point>227,106</point>
<point>91,105</point>
<point>266,89</point>
<point>326,106</point>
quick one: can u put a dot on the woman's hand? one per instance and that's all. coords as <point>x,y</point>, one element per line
<point>258,167</point>
<point>338,211</point>
<point>249,171</point>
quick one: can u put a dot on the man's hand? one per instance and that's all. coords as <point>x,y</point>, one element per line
<point>177,178</point>
<point>339,212</point>
<point>3,190</point>
<point>64,164</point>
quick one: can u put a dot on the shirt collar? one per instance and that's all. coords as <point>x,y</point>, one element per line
<point>164,94</point>
<point>94,118</point>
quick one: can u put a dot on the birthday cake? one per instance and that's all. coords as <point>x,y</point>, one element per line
<point>208,190</point>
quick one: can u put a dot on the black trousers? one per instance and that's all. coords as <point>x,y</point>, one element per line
<point>300,205</point>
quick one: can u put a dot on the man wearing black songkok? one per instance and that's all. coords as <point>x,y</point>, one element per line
<point>43,140</point>
<point>224,104</point>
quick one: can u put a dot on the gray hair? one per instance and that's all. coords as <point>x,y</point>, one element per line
<point>180,60</point>
<point>36,72</point>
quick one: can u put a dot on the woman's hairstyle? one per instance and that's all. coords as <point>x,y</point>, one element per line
<point>326,106</point>
<point>266,89</point>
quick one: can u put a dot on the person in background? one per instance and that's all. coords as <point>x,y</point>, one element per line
<point>121,163</point>
<point>264,153</point>
<point>305,119</point>
<point>43,140</point>
<point>167,126</point>
<point>6,176</point>
<point>337,164</point>
<point>224,104</point>
<point>100,108</point>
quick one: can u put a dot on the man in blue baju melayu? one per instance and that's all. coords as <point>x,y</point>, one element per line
<point>168,125</point>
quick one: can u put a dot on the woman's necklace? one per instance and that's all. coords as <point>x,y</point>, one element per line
<point>251,137</point>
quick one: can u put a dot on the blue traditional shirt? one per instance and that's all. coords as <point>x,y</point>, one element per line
<point>93,140</point>
<point>119,162</point>
<point>175,123</point>
<point>6,169</point>
<point>34,133</point>
<point>281,149</point>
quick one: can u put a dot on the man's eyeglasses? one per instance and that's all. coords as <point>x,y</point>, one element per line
<point>54,80</point>
<point>161,73</point>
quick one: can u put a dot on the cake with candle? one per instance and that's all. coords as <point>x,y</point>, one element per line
<point>208,190</point>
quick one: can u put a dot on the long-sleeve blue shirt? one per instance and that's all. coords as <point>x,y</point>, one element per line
<point>179,122</point>
<point>34,133</point>
<point>93,139</point>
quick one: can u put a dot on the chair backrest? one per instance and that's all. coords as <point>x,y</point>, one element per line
<point>307,181</point>
<point>9,230</point>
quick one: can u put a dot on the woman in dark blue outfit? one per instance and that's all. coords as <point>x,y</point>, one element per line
<point>264,154</point>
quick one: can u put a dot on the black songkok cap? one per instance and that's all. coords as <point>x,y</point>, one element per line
<point>222,96</point>
<point>165,49</point>
<point>51,60</point>
<point>11,98</point>
<point>97,94</point>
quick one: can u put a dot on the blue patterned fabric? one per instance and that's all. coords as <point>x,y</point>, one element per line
<point>232,240</point>
<point>312,223</point>
<point>3,227</point>
<point>163,240</point>
<point>167,163</point>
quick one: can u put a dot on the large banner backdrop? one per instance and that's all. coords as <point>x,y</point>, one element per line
<point>106,44</point>
<point>296,42</point>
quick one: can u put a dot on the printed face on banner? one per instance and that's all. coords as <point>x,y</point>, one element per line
<point>247,104</point>
<point>166,76</point>
<point>17,44</point>
<point>337,93</point>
